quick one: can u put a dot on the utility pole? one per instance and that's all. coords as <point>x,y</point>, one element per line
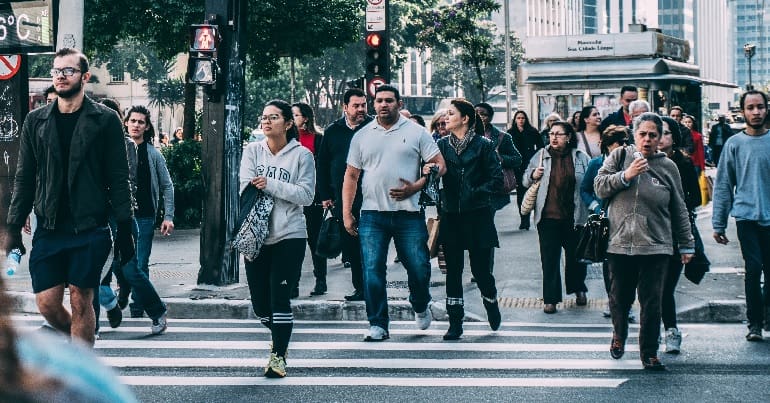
<point>506,10</point>
<point>222,145</point>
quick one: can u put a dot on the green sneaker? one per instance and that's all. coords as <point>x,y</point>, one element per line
<point>276,368</point>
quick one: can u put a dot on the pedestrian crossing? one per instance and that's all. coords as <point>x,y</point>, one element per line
<point>519,355</point>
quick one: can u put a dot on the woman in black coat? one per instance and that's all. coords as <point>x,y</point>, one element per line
<point>527,141</point>
<point>473,176</point>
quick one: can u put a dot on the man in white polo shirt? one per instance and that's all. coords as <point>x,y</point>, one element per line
<point>390,151</point>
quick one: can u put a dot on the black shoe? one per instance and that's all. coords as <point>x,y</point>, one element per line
<point>493,314</point>
<point>617,348</point>
<point>455,331</point>
<point>755,333</point>
<point>115,317</point>
<point>524,227</point>
<point>319,289</point>
<point>652,363</point>
<point>294,293</point>
<point>355,296</point>
<point>473,279</point>
<point>346,265</point>
<point>580,298</point>
<point>123,298</point>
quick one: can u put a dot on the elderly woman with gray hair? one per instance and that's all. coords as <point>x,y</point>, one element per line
<point>647,215</point>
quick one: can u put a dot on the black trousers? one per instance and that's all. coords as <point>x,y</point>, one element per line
<point>351,250</point>
<point>645,275</point>
<point>554,236</point>
<point>313,219</point>
<point>668,303</point>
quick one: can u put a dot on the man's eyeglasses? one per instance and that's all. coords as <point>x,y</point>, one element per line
<point>273,118</point>
<point>441,124</point>
<point>66,72</point>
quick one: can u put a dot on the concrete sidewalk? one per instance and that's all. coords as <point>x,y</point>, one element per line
<point>174,268</point>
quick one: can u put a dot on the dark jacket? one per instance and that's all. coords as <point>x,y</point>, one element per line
<point>510,158</point>
<point>98,178</point>
<point>527,143</point>
<point>614,118</point>
<point>471,177</point>
<point>331,162</point>
<point>690,184</point>
<point>719,130</point>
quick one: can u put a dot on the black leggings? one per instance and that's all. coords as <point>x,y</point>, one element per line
<point>271,277</point>
<point>668,304</point>
<point>481,268</point>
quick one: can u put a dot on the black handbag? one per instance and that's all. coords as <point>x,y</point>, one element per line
<point>594,239</point>
<point>329,243</point>
<point>430,195</point>
<point>699,264</point>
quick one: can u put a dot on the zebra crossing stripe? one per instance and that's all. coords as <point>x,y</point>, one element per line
<point>361,346</point>
<point>352,331</point>
<point>551,382</point>
<point>388,363</point>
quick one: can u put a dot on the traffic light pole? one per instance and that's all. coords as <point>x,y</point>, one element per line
<point>222,146</point>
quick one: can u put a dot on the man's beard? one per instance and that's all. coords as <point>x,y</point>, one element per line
<point>66,94</point>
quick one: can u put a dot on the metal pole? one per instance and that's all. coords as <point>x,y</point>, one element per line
<point>506,10</point>
<point>70,30</point>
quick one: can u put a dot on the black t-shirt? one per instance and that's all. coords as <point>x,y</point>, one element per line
<point>144,203</point>
<point>65,127</point>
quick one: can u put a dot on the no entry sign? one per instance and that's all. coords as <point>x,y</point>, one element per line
<point>9,66</point>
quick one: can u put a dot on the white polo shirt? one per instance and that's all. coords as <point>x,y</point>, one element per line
<point>385,156</point>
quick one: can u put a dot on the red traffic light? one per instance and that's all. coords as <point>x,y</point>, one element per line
<point>204,38</point>
<point>373,40</point>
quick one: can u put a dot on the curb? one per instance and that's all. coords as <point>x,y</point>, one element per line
<point>717,311</point>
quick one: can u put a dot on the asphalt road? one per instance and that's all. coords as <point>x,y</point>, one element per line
<point>222,361</point>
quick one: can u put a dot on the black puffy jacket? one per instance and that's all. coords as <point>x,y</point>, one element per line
<point>471,178</point>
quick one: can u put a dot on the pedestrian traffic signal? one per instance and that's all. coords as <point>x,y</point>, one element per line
<point>377,56</point>
<point>204,38</point>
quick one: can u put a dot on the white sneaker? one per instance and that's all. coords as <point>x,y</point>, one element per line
<point>159,325</point>
<point>423,319</point>
<point>376,333</point>
<point>673,340</point>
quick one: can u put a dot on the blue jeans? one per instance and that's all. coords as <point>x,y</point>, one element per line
<point>755,247</point>
<point>408,231</point>
<point>137,274</point>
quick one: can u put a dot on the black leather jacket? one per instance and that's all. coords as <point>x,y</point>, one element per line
<point>472,177</point>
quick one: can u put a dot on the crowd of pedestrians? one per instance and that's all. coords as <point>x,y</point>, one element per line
<point>97,186</point>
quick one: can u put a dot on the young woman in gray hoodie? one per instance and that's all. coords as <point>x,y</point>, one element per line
<point>281,167</point>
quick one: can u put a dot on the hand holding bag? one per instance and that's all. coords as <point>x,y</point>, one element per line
<point>530,198</point>
<point>594,239</point>
<point>329,243</point>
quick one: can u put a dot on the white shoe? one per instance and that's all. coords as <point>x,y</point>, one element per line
<point>376,333</point>
<point>673,340</point>
<point>423,319</point>
<point>159,325</point>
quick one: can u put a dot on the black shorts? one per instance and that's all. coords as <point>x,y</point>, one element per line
<point>77,259</point>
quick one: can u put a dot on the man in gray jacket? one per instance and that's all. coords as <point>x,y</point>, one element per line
<point>152,179</point>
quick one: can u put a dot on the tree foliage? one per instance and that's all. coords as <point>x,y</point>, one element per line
<point>463,30</point>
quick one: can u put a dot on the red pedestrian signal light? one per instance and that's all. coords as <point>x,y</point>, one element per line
<point>204,38</point>
<point>373,40</point>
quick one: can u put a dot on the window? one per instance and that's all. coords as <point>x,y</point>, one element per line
<point>117,74</point>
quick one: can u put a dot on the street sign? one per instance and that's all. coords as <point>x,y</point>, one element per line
<point>26,27</point>
<point>9,66</point>
<point>375,17</point>
<point>375,2</point>
<point>373,84</point>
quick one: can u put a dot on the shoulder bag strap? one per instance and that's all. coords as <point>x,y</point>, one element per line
<point>619,167</point>
<point>585,142</point>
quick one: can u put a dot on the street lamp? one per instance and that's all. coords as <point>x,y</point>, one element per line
<point>749,50</point>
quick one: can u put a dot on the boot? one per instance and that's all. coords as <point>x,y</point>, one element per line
<point>493,313</point>
<point>456,314</point>
<point>320,287</point>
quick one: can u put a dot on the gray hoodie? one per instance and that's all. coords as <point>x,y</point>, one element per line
<point>647,213</point>
<point>290,180</point>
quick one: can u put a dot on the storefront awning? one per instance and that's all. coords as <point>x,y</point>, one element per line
<point>608,70</point>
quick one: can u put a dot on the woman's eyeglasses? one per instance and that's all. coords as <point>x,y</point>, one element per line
<point>272,118</point>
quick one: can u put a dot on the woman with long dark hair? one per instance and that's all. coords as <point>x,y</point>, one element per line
<point>588,135</point>
<point>474,175</point>
<point>311,138</point>
<point>527,140</point>
<point>284,170</point>
<point>560,167</point>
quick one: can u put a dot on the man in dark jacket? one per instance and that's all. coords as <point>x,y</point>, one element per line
<point>686,145</point>
<point>331,164</point>
<point>718,136</point>
<point>621,117</point>
<point>73,170</point>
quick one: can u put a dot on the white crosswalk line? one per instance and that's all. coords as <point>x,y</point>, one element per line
<point>550,382</point>
<point>358,345</point>
<point>395,363</point>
